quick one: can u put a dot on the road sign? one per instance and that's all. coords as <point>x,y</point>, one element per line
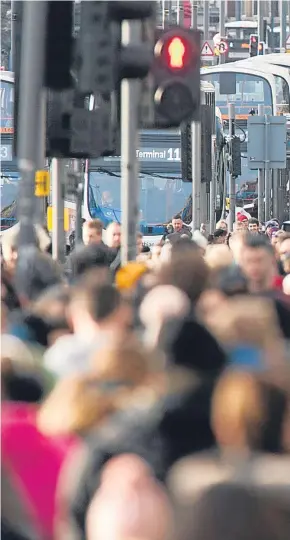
<point>267,142</point>
<point>207,49</point>
<point>42,184</point>
<point>223,47</point>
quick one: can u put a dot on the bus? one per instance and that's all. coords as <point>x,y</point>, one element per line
<point>162,191</point>
<point>9,171</point>
<point>244,29</point>
<point>280,73</point>
<point>246,87</point>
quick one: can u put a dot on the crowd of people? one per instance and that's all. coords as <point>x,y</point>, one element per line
<point>149,401</point>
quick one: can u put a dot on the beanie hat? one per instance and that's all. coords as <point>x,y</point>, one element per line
<point>241,217</point>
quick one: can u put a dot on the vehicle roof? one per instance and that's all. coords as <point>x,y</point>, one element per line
<point>236,66</point>
<point>280,60</point>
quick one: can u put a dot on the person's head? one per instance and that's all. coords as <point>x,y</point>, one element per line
<point>92,232</point>
<point>258,263</point>
<point>222,224</point>
<point>85,258</point>
<point>107,197</point>
<point>219,236</point>
<point>271,228</point>
<point>284,247</point>
<point>96,304</point>
<point>113,235</point>
<point>249,413</point>
<point>139,243</point>
<point>242,220</point>
<point>126,483</point>
<point>253,225</point>
<point>186,270</point>
<point>51,307</point>
<point>218,256</point>
<point>177,223</point>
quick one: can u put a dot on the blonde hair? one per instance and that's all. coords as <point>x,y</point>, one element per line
<point>218,256</point>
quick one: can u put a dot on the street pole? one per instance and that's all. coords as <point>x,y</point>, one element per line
<point>30,92</point>
<point>206,19</point>
<point>238,10</point>
<point>222,28</point>
<point>260,16</point>
<point>212,194</point>
<point>232,214</point>
<point>267,169</point>
<point>196,173</point>
<point>79,189</point>
<point>12,37</point>
<point>283,20</point>
<point>130,93</point>
<point>57,197</point>
<point>261,181</point>
<point>194,14</point>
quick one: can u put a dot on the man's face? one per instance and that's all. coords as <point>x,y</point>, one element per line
<point>115,236</point>
<point>91,236</point>
<point>245,224</point>
<point>257,264</point>
<point>238,226</point>
<point>253,228</point>
<point>285,247</point>
<point>9,254</point>
<point>177,225</point>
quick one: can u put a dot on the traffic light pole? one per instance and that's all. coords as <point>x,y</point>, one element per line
<point>79,201</point>
<point>232,193</point>
<point>196,173</point>
<point>57,199</point>
<point>222,28</point>
<point>130,92</point>
<point>31,88</point>
<point>261,182</point>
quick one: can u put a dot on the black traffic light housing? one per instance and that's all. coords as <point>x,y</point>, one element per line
<point>254,45</point>
<point>176,76</point>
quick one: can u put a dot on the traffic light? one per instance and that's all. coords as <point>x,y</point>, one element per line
<point>254,44</point>
<point>176,76</point>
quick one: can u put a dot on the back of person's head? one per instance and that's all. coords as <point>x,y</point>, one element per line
<point>37,273</point>
<point>188,273</point>
<point>218,256</point>
<point>232,511</point>
<point>85,258</point>
<point>52,307</point>
<point>249,412</point>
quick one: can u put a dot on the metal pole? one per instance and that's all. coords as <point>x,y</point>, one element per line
<point>261,182</point>
<point>212,193</point>
<point>31,81</point>
<point>232,214</point>
<point>79,201</point>
<point>178,12</point>
<point>222,29</point>
<point>267,169</point>
<point>194,14</point>
<point>12,47</point>
<point>238,10</point>
<point>275,173</point>
<point>130,92</point>
<point>283,20</point>
<point>196,173</point>
<point>57,196</point>
<point>260,16</point>
<point>206,19</point>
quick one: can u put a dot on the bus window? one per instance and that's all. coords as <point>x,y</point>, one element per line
<point>283,97</point>
<point>7,102</point>
<point>250,90</point>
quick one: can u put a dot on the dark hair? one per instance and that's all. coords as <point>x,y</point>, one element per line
<point>253,221</point>
<point>259,241</point>
<point>101,298</point>
<point>145,249</point>
<point>177,216</point>
<point>219,232</point>
<point>85,258</point>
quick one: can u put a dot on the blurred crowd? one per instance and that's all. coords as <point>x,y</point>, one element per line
<point>149,401</point>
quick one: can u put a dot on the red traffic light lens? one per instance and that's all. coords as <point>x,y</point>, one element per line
<point>175,52</point>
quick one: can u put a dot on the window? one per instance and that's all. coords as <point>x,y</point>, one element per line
<point>250,90</point>
<point>7,103</point>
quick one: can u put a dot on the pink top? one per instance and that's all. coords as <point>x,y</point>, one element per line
<point>35,459</point>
